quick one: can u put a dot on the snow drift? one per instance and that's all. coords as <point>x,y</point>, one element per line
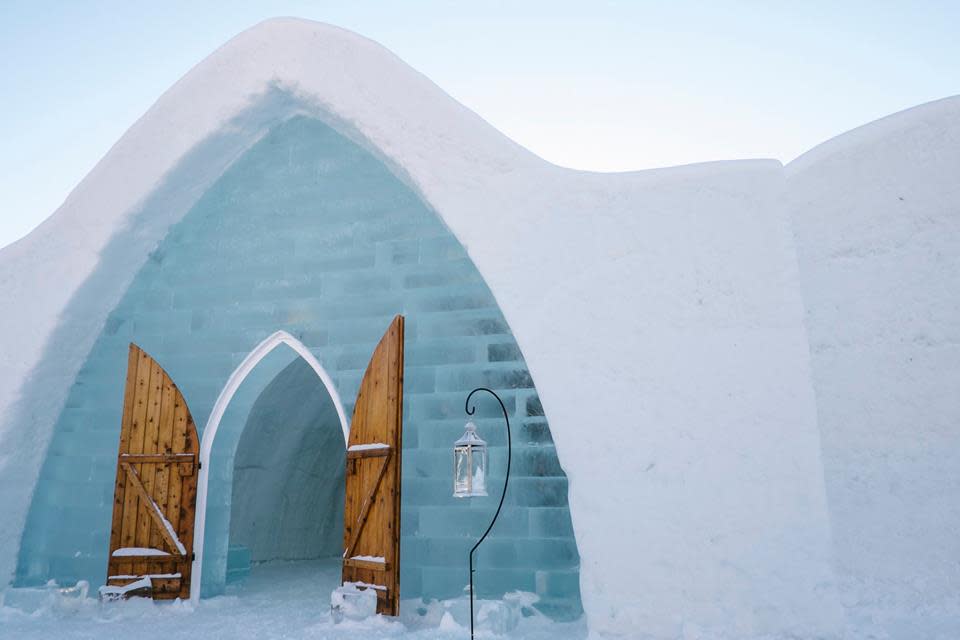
<point>661,313</point>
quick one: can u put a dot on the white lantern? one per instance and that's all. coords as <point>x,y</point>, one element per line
<point>469,464</point>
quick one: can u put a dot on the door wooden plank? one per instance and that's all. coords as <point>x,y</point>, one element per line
<point>372,501</point>
<point>391,492</point>
<point>131,505</point>
<point>145,470</point>
<point>133,358</point>
<point>164,443</point>
<point>175,492</point>
<point>133,363</point>
<point>188,499</point>
<point>129,431</point>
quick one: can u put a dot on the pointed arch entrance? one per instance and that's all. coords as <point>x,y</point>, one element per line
<point>237,378</point>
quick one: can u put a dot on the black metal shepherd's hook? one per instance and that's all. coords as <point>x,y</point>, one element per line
<point>506,479</point>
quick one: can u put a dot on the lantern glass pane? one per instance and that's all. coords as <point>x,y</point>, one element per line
<point>461,472</point>
<point>479,472</point>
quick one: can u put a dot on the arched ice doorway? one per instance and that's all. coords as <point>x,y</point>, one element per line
<point>269,426</point>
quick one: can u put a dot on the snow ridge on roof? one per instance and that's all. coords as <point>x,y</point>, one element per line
<point>936,114</point>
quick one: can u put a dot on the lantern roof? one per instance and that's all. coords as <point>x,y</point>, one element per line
<point>470,437</point>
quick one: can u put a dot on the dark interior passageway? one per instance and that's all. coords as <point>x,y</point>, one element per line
<point>288,476</point>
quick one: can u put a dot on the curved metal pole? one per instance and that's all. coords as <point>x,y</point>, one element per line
<point>470,411</point>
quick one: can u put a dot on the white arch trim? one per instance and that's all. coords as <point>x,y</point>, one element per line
<point>213,424</point>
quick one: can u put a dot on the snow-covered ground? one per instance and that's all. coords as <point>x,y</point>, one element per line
<point>286,600</point>
<point>292,600</point>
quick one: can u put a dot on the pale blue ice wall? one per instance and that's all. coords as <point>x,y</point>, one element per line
<point>310,233</point>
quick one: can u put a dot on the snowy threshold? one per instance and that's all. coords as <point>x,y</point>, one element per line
<point>279,601</point>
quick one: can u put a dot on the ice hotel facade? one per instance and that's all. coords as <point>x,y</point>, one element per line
<point>729,383</point>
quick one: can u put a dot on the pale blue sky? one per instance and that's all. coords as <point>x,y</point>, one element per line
<point>606,86</point>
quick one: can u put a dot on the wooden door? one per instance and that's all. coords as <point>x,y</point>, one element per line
<point>151,539</point>
<point>371,521</point>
